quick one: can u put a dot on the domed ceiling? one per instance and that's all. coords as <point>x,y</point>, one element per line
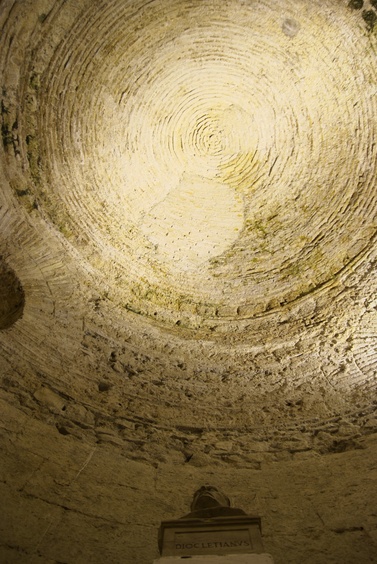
<point>189,206</point>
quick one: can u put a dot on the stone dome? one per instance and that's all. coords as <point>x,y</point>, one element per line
<point>187,273</point>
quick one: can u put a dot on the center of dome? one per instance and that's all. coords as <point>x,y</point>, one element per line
<point>202,213</point>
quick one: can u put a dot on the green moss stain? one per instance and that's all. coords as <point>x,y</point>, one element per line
<point>257,227</point>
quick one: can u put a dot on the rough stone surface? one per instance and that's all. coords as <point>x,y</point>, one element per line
<point>187,273</point>
<point>72,500</point>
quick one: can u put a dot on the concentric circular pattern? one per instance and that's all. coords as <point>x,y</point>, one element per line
<point>209,165</point>
<point>217,155</point>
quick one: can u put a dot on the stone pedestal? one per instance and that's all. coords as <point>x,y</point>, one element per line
<point>212,533</point>
<point>239,534</point>
<point>213,559</point>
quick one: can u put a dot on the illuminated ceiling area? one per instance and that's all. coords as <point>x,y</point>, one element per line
<point>188,216</point>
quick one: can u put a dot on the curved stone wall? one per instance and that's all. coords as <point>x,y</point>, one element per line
<point>189,200</point>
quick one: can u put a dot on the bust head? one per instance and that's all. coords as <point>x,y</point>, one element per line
<point>208,497</point>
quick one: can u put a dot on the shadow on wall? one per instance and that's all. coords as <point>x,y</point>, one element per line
<point>12,297</point>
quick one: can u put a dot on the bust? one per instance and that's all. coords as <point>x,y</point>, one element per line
<point>213,526</point>
<point>209,502</point>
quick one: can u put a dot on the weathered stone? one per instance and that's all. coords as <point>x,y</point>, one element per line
<point>50,399</point>
<point>187,273</point>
